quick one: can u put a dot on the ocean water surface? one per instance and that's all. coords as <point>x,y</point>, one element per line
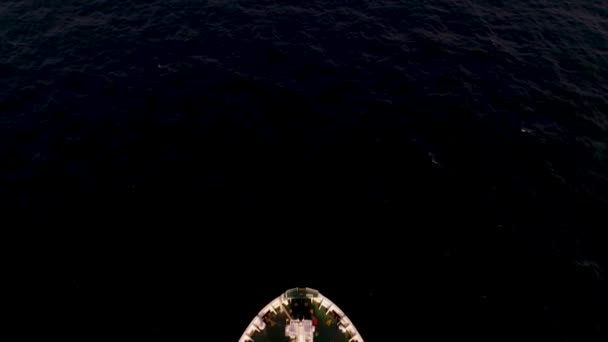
<point>473,131</point>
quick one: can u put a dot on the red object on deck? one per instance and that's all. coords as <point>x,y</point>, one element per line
<point>315,322</point>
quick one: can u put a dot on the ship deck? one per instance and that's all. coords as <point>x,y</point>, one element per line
<point>330,322</point>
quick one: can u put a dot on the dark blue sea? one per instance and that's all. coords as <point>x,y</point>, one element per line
<point>436,168</point>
